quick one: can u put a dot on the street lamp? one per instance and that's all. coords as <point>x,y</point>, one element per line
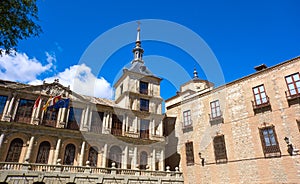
<point>289,145</point>
<point>202,159</point>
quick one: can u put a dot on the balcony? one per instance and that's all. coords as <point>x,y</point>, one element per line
<point>49,123</point>
<point>293,96</point>
<point>31,172</point>
<point>261,105</point>
<point>23,119</point>
<point>117,132</point>
<point>187,126</point>
<point>216,119</point>
<point>144,134</point>
<point>73,125</point>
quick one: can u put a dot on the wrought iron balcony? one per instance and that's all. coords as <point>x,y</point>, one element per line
<point>293,96</point>
<point>261,105</point>
<point>117,132</point>
<point>216,119</point>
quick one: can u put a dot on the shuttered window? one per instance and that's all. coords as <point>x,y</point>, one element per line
<point>220,149</point>
<point>189,151</point>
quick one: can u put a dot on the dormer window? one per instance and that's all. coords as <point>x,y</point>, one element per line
<point>143,87</point>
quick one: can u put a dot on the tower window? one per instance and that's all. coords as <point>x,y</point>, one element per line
<point>144,105</point>
<point>143,87</point>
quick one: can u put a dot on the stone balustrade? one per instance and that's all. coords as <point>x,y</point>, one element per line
<point>32,172</point>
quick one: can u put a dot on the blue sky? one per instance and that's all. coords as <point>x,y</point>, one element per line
<point>241,35</point>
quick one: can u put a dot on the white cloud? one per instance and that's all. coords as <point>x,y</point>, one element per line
<point>83,81</point>
<point>19,67</point>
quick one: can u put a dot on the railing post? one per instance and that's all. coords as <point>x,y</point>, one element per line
<point>58,165</point>
<point>113,168</point>
<point>177,173</point>
<point>168,171</point>
<point>87,167</point>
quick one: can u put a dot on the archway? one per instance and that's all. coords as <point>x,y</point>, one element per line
<point>115,155</point>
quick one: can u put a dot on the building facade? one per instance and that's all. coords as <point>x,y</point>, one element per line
<point>51,134</point>
<point>246,131</point>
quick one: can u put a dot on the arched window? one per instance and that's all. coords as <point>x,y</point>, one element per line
<point>93,156</point>
<point>69,154</point>
<point>14,150</point>
<point>143,160</point>
<point>115,155</point>
<point>43,153</point>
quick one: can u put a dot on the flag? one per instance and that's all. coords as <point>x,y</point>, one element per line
<point>36,103</point>
<point>51,102</point>
<point>62,103</point>
<point>47,104</point>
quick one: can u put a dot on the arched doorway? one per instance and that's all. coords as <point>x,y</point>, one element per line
<point>43,153</point>
<point>143,160</point>
<point>93,156</point>
<point>69,154</point>
<point>14,151</point>
<point>115,155</point>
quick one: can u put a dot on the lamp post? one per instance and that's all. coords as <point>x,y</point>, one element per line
<point>202,159</point>
<point>289,145</point>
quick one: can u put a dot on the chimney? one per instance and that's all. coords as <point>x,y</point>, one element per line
<point>260,67</point>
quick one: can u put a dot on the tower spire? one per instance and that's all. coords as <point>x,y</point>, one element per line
<point>138,50</point>
<point>195,73</point>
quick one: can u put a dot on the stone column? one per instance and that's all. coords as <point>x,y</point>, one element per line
<point>153,159</point>
<point>13,114</point>
<point>56,152</point>
<point>5,108</point>
<point>124,125</point>
<point>29,149</point>
<point>162,160</point>
<point>10,105</point>
<point>136,125</point>
<point>1,139</point>
<point>135,158</point>
<point>80,163</point>
<point>86,116</point>
<point>104,155</point>
<point>125,158</point>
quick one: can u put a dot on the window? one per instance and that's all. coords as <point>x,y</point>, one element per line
<point>260,96</point>
<point>96,122</point>
<point>143,160</point>
<point>117,123</point>
<point>144,129</point>
<point>69,154</point>
<point>143,87</point>
<point>14,150</point>
<point>43,153</point>
<point>293,84</point>
<point>189,151</point>
<point>220,149</point>
<point>269,141</point>
<point>24,111</point>
<point>93,156</point>
<point>187,118</point>
<point>74,118</point>
<point>50,117</point>
<point>121,89</point>
<point>215,109</point>
<point>144,105</point>
<point>3,100</point>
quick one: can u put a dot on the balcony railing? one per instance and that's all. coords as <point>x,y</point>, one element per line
<point>73,125</point>
<point>117,132</point>
<point>12,168</point>
<point>22,119</point>
<point>50,123</point>
<point>292,94</point>
<point>216,118</point>
<point>261,103</point>
<point>144,134</point>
